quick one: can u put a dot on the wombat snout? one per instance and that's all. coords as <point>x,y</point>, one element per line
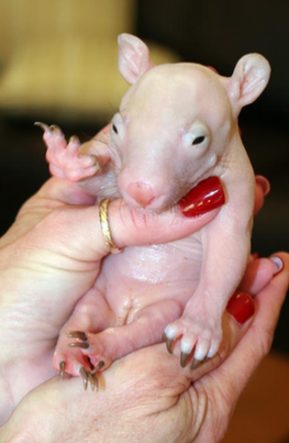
<point>142,193</point>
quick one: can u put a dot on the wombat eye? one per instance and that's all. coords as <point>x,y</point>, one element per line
<point>198,140</point>
<point>114,128</point>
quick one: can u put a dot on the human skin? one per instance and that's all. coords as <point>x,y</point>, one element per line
<point>48,259</point>
<point>147,397</point>
<point>39,255</point>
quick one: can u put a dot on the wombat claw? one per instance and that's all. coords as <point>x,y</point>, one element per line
<point>62,368</point>
<point>98,367</point>
<point>184,358</point>
<point>47,128</point>
<point>169,345</point>
<point>42,125</point>
<point>89,377</point>
<point>77,334</point>
<point>81,340</point>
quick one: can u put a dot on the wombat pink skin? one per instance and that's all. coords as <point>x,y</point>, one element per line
<point>181,287</point>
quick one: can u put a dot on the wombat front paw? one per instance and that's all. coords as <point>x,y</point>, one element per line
<point>198,339</point>
<point>65,160</point>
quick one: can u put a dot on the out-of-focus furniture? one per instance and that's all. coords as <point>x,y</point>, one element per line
<point>59,58</point>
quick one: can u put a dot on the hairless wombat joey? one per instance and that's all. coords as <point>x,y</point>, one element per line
<point>176,126</point>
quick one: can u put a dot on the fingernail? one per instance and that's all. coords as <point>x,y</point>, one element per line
<point>278,262</point>
<point>264,183</point>
<point>207,195</point>
<point>241,306</point>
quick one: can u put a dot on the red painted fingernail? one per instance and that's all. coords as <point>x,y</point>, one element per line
<point>207,195</point>
<point>241,306</point>
<point>264,183</point>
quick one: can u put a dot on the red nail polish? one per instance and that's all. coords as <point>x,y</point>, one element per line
<point>207,195</point>
<point>241,306</point>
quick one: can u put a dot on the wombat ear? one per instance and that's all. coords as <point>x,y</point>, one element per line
<point>133,57</point>
<point>249,79</point>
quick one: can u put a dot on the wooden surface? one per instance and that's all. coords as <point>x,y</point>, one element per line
<point>262,414</point>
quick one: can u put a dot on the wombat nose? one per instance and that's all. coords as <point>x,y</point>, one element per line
<point>142,193</point>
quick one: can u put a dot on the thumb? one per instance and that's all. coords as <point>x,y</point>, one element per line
<point>131,226</point>
<point>128,226</point>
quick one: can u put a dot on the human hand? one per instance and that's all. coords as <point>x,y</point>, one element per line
<point>48,259</point>
<point>148,397</point>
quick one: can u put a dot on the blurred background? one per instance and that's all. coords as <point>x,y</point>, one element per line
<point>58,63</point>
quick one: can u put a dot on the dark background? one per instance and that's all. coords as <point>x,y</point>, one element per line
<point>215,33</point>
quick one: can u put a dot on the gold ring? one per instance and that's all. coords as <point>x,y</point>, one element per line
<point>104,225</point>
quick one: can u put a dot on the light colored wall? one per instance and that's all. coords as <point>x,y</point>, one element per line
<point>41,19</point>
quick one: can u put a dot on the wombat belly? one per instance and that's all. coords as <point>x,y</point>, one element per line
<point>141,276</point>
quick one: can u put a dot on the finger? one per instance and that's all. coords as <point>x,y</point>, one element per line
<point>56,192</point>
<point>270,300</point>
<point>78,230</point>
<point>240,310</point>
<point>256,342</point>
<point>259,273</point>
<point>131,227</point>
<point>241,307</point>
